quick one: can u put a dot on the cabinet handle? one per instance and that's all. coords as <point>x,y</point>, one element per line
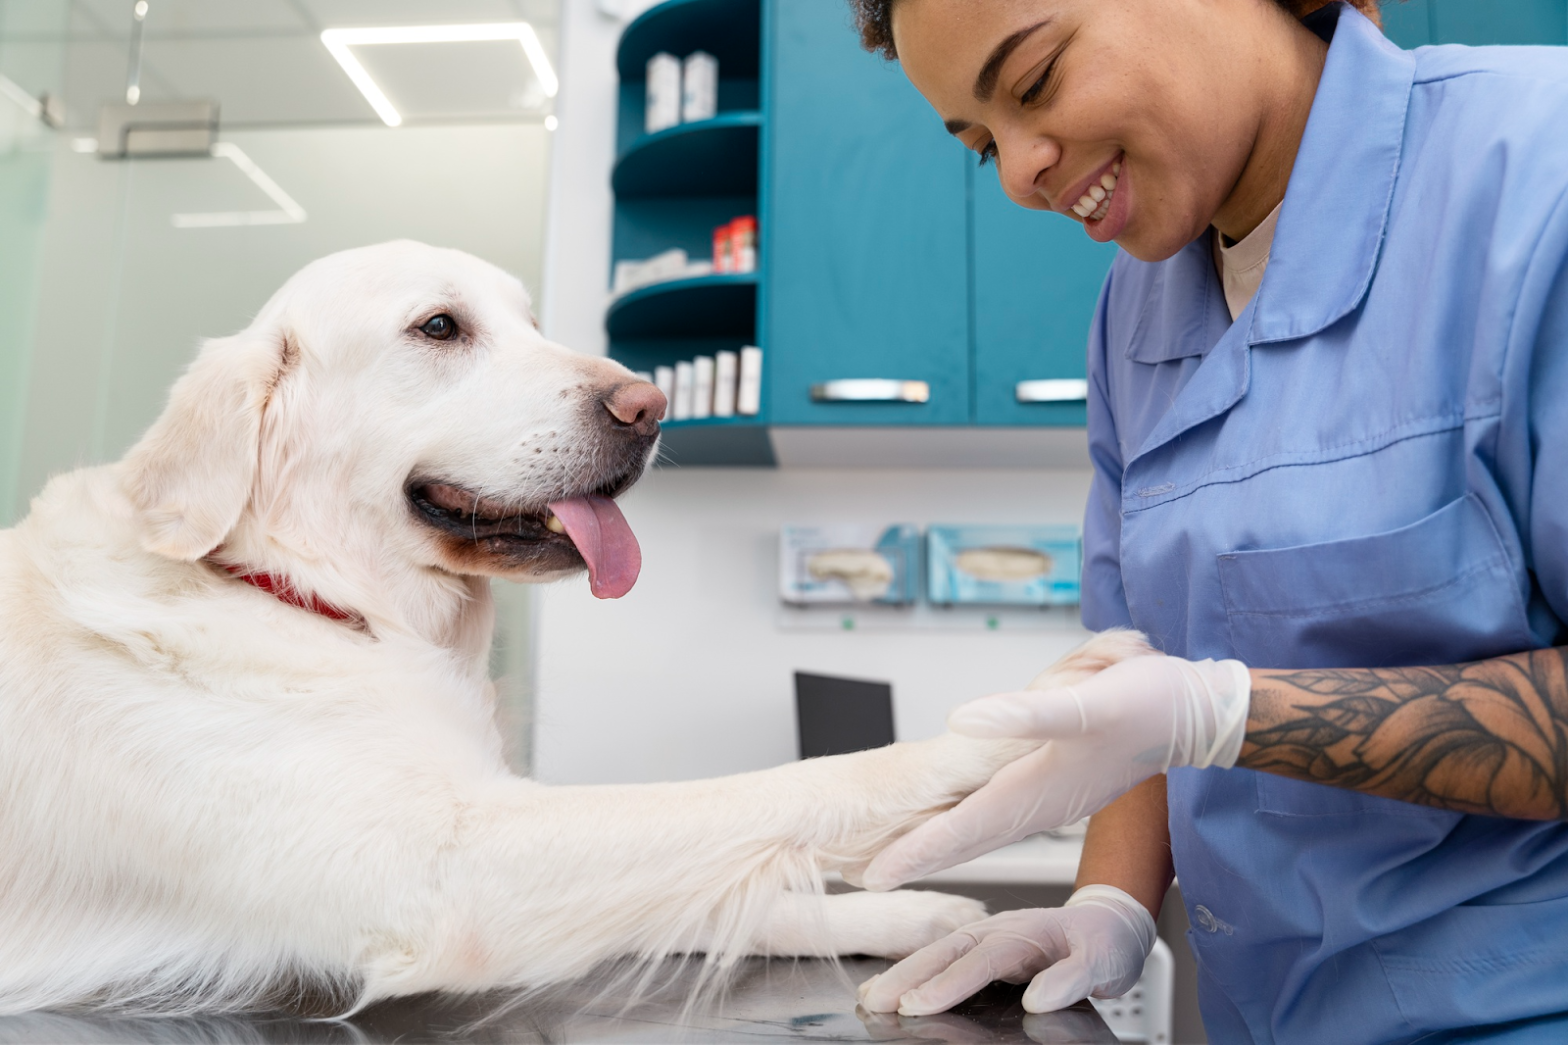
<point>870,390</point>
<point>1055,390</point>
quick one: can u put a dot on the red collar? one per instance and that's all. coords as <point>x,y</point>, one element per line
<point>282,589</point>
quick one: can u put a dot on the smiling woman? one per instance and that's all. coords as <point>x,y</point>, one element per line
<point>1331,492</point>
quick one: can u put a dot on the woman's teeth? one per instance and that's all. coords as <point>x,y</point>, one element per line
<point>1095,204</point>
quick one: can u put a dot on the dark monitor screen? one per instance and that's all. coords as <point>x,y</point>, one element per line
<point>837,716</point>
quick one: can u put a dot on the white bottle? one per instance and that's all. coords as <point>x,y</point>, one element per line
<point>702,387</point>
<point>684,380</point>
<point>726,371</point>
<point>748,397</point>
<point>699,87</point>
<point>664,93</point>
<point>664,381</point>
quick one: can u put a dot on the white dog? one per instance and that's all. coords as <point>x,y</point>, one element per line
<point>246,736</point>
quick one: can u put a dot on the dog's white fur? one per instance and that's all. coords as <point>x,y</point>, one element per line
<point>209,794</point>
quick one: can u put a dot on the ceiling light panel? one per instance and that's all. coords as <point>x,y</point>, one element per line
<point>341,44</point>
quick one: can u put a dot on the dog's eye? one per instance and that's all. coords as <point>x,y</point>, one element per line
<point>440,328</point>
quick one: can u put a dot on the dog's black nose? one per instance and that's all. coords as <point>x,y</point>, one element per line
<point>636,405</point>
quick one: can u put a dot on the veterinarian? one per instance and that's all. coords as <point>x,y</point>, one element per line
<point>1328,415</point>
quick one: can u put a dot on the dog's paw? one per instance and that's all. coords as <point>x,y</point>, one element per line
<point>1100,652</point>
<point>897,924</point>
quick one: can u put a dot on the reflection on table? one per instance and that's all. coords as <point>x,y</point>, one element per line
<point>768,1001</point>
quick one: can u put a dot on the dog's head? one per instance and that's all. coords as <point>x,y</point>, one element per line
<point>401,396</point>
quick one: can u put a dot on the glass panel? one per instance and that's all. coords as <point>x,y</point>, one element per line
<point>112,271</point>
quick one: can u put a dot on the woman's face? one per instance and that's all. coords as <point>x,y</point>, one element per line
<point>1135,118</point>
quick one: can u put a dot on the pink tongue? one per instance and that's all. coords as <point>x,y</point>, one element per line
<point>597,527</point>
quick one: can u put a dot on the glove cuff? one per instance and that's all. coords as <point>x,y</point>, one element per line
<point>1219,695</point>
<point>1137,917</point>
<point>1231,704</point>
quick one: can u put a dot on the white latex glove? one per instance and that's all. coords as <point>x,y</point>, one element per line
<point>1105,735</point>
<point>1092,946</point>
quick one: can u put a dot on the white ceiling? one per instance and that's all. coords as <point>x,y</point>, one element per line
<point>264,62</point>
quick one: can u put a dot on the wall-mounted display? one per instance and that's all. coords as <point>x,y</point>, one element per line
<point>1003,565</point>
<point>825,565</point>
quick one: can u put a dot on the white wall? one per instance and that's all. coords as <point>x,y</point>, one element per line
<point>125,297</point>
<point>690,674</point>
<point>577,231</point>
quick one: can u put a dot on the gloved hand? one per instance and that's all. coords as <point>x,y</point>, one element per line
<point>1094,945</point>
<point>1106,735</point>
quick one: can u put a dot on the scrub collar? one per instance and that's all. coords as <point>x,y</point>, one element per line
<point>1341,189</point>
<point>1326,246</point>
<point>1331,223</point>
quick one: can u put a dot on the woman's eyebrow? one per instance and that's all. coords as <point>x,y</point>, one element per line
<point>985,83</point>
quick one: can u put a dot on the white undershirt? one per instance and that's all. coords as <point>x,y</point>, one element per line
<point>1241,264</point>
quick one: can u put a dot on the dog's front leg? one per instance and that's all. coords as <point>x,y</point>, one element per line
<point>542,884</point>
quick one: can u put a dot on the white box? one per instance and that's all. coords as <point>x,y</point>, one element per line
<point>664,381</point>
<point>748,397</point>
<point>702,387</point>
<point>726,371</point>
<point>684,380</point>
<point>631,274</point>
<point>664,93</point>
<point>699,87</point>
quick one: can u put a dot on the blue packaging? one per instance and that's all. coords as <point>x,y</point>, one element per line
<point>1003,565</point>
<point>850,563</point>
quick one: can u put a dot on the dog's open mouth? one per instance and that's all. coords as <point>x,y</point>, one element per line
<point>589,527</point>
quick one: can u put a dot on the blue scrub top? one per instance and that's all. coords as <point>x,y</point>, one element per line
<point>1369,467</point>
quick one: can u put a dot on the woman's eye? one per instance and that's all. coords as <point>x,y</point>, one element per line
<point>988,152</point>
<point>440,328</point>
<point>1032,95</point>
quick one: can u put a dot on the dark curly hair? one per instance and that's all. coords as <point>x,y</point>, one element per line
<point>874,18</point>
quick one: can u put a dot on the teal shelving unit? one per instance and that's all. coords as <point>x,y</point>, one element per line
<point>672,188</point>
<point>716,157</point>
<point>701,307</point>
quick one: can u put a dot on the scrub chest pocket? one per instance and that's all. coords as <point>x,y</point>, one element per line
<point>1438,591</point>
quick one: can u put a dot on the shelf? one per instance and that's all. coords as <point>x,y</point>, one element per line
<point>704,306</point>
<point>716,442</point>
<point>752,441</point>
<point>730,30</point>
<point>716,157</point>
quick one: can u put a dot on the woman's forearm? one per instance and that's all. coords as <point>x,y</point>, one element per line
<point>1489,737</point>
<point>1129,846</point>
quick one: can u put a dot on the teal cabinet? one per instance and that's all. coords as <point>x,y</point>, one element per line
<point>1416,23</point>
<point>864,229</point>
<point>1499,21</point>
<point>1037,277</point>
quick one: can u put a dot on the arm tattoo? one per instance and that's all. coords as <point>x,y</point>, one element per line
<point>1489,737</point>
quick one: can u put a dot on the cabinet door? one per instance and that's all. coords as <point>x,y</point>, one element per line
<point>865,271</point>
<point>1499,21</point>
<point>1408,24</point>
<point>1037,279</point>
<point>1416,23</point>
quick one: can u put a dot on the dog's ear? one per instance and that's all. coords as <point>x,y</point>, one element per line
<point>191,475</point>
